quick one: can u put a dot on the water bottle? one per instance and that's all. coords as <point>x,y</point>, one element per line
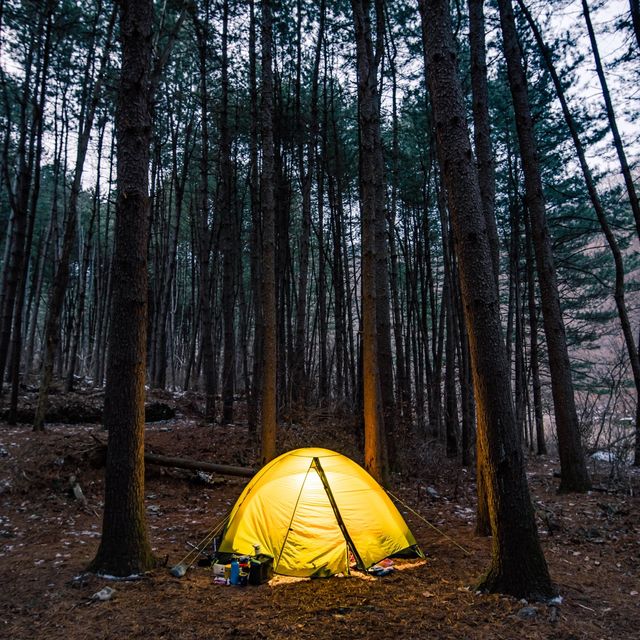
<point>234,578</point>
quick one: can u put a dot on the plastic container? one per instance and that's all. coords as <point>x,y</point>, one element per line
<point>260,569</point>
<point>234,578</point>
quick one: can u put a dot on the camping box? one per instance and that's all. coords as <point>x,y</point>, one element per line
<point>260,569</point>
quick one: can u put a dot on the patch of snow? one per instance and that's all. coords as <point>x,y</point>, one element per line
<point>107,576</point>
<point>555,601</point>
<point>104,594</point>
<point>604,456</point>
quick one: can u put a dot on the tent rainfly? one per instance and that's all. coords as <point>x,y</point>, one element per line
<point>312,509</point>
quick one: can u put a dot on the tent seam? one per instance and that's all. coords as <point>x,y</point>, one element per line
<point>293,515</point>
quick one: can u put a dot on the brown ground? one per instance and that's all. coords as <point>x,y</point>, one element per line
<point>47,538</point>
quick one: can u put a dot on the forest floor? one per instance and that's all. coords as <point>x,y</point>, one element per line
<point>48,537</point>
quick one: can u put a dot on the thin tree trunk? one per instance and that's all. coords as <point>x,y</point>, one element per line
<point>383,311</point>
<point>481,126</point>
<point>227,214</point>
<point>179,179</point>
<point>403,390</point>
<point>204,234</point>
<point>256,233</point>
<point>534,350</point>
<point>268,284</point>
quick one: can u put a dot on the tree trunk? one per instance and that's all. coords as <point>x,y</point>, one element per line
<point>451,423</point>
<point>124,548</point>
<point>204,233</point>
<point>403,387</point>
<point>533,345</point>
<point>227,215</point>
<point>268,284</point>
<point>369,119</point>
<point>572,463</point>
<point>255,238</point>
<point>481,126</point>
<point>518,566</point>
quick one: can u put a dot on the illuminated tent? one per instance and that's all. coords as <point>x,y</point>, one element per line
<point>311,509</point>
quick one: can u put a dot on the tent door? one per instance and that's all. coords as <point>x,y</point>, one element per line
<point>325,483</point>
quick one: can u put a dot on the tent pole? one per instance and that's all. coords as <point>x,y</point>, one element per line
<point>336,511</point>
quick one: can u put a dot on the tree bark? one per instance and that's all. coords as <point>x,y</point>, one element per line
<point>124,548</point>
<point>486,176</point>
<point>518,566</point>
<point>481,126</point>
<point>268,283</point>
<point>369,120</point>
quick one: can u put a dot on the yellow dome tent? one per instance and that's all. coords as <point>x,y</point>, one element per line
<point>310,509</point>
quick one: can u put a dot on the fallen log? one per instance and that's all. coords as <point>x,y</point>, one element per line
<point>98,456</point>
<point>196,465</point>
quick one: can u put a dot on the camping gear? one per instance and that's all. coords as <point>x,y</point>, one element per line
<point>260,569</point>
<point>310,509</point>
<point>234,578</point>
<point>180,569</point>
